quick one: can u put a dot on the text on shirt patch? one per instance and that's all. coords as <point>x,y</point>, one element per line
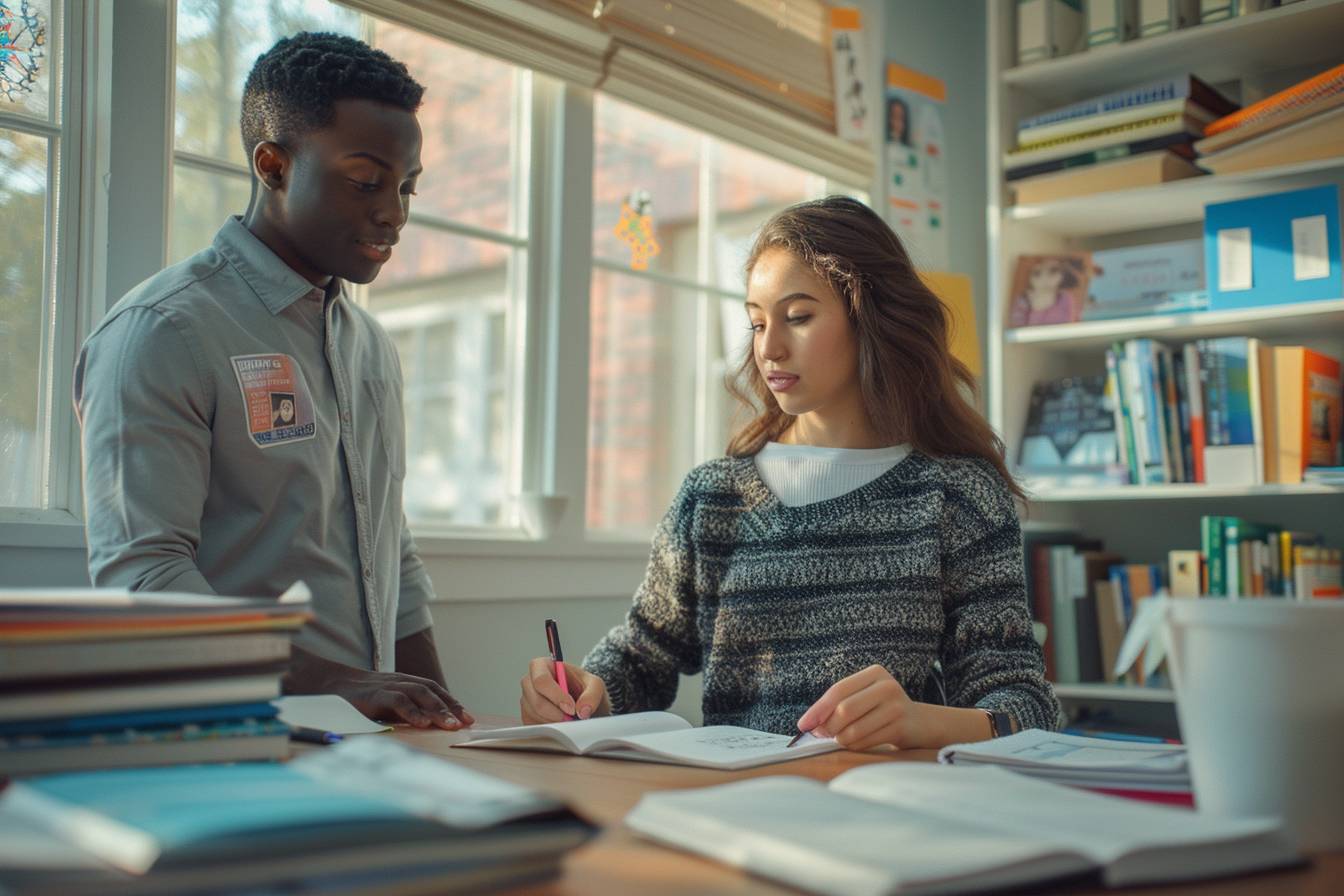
<point>276,400</point>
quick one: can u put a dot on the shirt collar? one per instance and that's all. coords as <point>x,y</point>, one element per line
<point>275,283</point>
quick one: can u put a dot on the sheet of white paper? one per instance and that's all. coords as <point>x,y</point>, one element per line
<point>326,712</point>
<point>1234,259</point>
<point>1311,258</point>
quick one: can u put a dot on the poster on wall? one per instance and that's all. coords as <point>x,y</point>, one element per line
<point>849,71</point>
<point>915,168</point>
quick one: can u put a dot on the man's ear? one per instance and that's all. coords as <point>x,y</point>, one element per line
<point>270,164</point>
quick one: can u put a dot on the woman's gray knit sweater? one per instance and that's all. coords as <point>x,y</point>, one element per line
<point>775,604</point>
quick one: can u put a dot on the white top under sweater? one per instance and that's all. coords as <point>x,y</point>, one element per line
<point>806,474</point>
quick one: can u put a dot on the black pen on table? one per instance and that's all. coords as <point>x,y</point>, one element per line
<point>313,735</point>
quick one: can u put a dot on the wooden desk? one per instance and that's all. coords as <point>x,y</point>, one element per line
<point>617,862</point>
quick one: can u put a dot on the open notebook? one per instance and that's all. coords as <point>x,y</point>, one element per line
<point>1082,761</point>
<point>919,828</point>
<point>654,737</point>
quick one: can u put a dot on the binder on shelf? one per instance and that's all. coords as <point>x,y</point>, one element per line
<point>1161,16</point>
<point>1111,21</point>
<point>1275,249</point>
<point>1048,28</point>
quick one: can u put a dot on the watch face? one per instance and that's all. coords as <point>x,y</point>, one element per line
<point>1003,726</point>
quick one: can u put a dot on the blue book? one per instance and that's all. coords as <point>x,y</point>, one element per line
<point>1230,453</point>
<point>155,718</point>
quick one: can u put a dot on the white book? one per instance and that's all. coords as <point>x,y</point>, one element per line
<point>918,828</point>
<point>654,737</point>
<point>1080,761</point>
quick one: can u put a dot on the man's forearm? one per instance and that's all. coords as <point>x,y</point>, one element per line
<point>417,655</point>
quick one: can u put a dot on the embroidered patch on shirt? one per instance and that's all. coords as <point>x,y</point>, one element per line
<point>278,404</point>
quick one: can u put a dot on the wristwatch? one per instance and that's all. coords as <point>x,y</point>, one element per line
<point>1000,723</point>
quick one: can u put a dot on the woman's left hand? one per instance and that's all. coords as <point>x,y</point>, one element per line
<point>867,709</point>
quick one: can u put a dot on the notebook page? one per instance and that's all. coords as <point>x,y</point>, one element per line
<point>717,746</point>
<point>1049,749</point>
<point>580,734</point>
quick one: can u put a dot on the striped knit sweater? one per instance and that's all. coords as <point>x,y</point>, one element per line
<point>775,604</point>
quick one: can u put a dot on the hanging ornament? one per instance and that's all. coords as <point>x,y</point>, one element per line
<point>636,229</point>
<point>23,38</point>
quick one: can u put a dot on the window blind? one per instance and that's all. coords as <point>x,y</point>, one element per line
<point>756,72</point>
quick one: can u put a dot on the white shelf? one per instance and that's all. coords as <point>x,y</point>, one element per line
<point>1298,34</point>
<point>1264,321</point>
<point>1182,491</point>
<point>1114,692</point>
<point>1176,202</point>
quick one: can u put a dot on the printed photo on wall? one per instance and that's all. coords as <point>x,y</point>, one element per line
<point>915,173</point>
<point>1049,289</point>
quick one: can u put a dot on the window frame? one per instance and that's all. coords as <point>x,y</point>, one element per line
<point>120,76</point>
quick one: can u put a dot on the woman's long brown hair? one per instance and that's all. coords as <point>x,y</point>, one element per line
<point>910,382</point>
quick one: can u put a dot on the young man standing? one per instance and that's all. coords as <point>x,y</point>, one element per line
<point>242,418</point>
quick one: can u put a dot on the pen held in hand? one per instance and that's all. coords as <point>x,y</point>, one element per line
<point>797,737</point>
<point>558,655</point>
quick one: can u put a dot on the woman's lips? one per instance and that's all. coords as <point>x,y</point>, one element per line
<point>780,382</point>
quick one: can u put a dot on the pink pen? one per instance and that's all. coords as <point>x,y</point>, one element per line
<point>553,645</point>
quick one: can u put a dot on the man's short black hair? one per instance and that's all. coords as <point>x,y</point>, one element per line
<point>293,87</point>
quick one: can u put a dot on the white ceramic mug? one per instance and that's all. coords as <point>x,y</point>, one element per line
<point>1260,697</point>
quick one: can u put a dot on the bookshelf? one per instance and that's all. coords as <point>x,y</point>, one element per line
<point>1247,57</point>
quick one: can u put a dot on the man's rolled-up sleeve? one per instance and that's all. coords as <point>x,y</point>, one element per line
<point>145,410</point>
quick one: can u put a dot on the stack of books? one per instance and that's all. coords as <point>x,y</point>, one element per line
<point>367,816</point>
<point>1242,558</point>
<point>1228,411</point>
<point>1129,138</point>
<point>1303,123</point>
<point>99,679</point>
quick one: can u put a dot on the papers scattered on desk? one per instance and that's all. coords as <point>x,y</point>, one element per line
<point>326,712</point>
<point>919,828</point>
<point>1080,761</point>
<point>654,737</point>
<point>369,815</point>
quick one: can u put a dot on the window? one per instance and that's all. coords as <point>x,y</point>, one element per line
<point>33,150</point>
<point>674,215</point>
<point>452,295</point>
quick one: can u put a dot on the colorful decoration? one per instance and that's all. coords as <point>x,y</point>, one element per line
<point>23,37</point>
<point>636,229</point>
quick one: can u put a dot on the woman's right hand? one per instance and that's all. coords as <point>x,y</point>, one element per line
<point>543,701</point>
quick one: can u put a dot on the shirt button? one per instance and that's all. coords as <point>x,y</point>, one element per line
<point>345,415</point>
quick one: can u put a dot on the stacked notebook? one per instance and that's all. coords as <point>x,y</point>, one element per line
<point>100,679</point>
<point>1303,123</point>
<point>368,815</point>
<point>1129,138</point>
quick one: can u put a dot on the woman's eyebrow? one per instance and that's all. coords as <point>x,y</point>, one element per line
<point>788,298</point>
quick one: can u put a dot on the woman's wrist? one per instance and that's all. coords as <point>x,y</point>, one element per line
<point>944,725</point>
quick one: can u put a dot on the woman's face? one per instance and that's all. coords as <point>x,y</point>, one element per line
<point>803,342</point>
<point>1047,276</point>
<point>896,121</point>
<point>286,411</point>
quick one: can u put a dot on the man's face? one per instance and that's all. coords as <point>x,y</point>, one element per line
<point>349,189</point>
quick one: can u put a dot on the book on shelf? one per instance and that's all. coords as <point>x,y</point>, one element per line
<point>1177,142</point>
<point>1051,123</point>
<point>1111,22</point>
<point>1244,558</point>
<point>1279,108</point>
<point>1086,762</point>
<point>1049,289</point>
<point>920,828</point>
<point>1143,170</point>
<point>1048,28</point>
<point>653,737</point>
<point>1069,437</point>
<point>1184,126</point>
<point>1211,11</point>
<point>364,815</point>
<point>1037,554</point>
<point>1115,122</point>
<point>1319,137</point>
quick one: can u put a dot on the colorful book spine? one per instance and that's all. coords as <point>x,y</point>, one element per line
<point>1124,429</point>
<point>1195,399</point>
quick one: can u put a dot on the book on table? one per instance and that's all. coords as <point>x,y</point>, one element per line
<point>368,815</point>
<point>1080,761</point>
<point>654,737</point>
<point>919,828</point>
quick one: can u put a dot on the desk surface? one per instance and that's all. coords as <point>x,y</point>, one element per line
<point>604,790</point>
